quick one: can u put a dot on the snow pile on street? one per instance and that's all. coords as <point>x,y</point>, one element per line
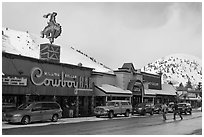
<point>27,44</point>
<point>177,68</point>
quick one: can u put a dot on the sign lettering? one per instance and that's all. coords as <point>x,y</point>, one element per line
<point>16,81</point>
<point>38,77</point>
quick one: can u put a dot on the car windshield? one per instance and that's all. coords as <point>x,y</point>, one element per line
<point>24,106</point>
<point>110,103</point>
<point>140,105</point>
<point>181,105</point>
<point>158,105</point>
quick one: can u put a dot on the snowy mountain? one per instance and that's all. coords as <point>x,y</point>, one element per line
<point>27,44</point>
<point>177,68</point>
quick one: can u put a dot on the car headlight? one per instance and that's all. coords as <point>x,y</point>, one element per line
<point>17,115</point>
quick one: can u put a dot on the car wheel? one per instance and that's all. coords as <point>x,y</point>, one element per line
<point>132,113</point>
<point>190,112</point>
<point>55,118</point>
<point>97,116</point>
<point>111,114</point>
<point>127,113</point>
<point>25,120</point>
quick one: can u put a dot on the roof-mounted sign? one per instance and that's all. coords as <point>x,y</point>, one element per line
<point>53,29</point>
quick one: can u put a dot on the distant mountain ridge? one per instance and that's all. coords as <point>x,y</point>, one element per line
<point>177,68</point>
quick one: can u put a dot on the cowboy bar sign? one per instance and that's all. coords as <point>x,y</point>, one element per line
<point>39,78</point>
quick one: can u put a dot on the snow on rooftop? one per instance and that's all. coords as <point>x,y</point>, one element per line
<point>27,44</point>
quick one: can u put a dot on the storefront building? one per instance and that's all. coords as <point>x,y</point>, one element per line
<point>27,79</point>
<point>145,87</point>
<point>192,96</point>
<point>155,92</point>
<point>128,78</point>
<point>106,89</point>
<point>76,88</point>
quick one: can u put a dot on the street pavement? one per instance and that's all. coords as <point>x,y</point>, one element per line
<point>6,125</point>
<point>135,124</point>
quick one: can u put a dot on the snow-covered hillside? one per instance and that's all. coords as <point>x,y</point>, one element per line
<point>177,68</point>
<point>27,44</point>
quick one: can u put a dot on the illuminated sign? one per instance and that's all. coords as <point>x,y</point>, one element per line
<point>15,81</point>
<point>39,78</point>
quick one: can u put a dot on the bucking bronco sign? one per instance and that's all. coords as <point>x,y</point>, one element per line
<point>53,29</point>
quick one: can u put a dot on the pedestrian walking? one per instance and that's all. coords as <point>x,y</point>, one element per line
<point>176,111</point>
<point>164,111</point>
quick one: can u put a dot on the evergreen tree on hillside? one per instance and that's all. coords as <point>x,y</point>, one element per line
<point>188,84</point>
<point>181,87</point>
<point>172,70</point>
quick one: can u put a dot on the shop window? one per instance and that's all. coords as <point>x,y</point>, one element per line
<point>6,100</point>
<point>136,89</point>
<point>81,101</point>
<point>116,104</point>
<point>99,101</point>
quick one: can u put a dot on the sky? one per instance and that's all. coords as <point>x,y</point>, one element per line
<point>115,32</point>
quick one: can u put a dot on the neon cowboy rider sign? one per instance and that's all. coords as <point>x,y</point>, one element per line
<point>39,78</point>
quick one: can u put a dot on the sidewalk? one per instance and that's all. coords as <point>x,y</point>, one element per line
<point>6,125</point>
<point>197,109</point>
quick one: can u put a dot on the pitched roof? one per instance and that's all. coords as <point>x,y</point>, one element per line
<point>166,90</point>
<point>128,66</point>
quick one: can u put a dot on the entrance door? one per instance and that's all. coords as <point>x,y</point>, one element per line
<point>136,100</point>
<point>86,103</point>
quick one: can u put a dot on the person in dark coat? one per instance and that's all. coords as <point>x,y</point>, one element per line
<point>176,111</point>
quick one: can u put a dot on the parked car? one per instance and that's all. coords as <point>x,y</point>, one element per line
<point>35,111</point>
<point>170,107</point>
<point>185,108</point>
<point>143,108</point>
<point>157,108</point>
<point>6,107</point>
<point>113,108</point>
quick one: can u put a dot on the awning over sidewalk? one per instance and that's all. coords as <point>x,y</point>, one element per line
<point>83,92</point>
<point>191,98</point>
<point>166,90</point>
<point>109,90</point>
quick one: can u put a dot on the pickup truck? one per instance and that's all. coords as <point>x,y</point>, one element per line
<point>113,108</point>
